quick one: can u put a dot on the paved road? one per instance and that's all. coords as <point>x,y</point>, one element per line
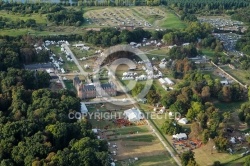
<point>82,72</point>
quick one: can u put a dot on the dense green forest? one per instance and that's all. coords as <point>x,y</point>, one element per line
<point>35,128</point>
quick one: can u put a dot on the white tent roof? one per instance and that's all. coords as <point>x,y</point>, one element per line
<point>84,109</point>
<point>162,81</point>
<point>232,140</point>
<point>180,136</point>
<point>133,114</point>
<point>183,121</point>
<point>169,81</point>
<point>95,131</point>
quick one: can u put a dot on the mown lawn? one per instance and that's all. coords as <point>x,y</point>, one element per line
<point>158,160</point>
<point>209,53</point>
<point>172,21</point>
<point>133,129</point>
<point>141,138</point>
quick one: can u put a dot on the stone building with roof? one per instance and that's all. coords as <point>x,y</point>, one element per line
<point>87,91</point>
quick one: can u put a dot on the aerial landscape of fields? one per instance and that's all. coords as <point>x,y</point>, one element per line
<point>125,83</point>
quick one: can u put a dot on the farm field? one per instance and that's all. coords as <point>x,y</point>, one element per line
<point>129,141</point>
<point>146,17</point>
<point>240,75</point>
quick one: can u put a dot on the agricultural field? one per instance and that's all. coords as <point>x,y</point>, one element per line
<point>129,141</point>
<point>160,160</point>
<point>146,17</point>
<point>241,75</point>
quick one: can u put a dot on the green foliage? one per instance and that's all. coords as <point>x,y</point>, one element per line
<point>152,96</point>
<point>111,36</point>
<point>244,114</point>
<point>137,89</point>
<point>187,158</point>
<point>243,44</point>
<point>247,161</point>
<point>221,143</point>
<point>217,163</point>
<point>171,127</point>
<point>66,17</point>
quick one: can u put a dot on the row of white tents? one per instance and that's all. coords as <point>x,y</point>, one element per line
<point>144,43</point>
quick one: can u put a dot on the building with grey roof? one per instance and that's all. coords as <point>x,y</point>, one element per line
<point>87,91</point>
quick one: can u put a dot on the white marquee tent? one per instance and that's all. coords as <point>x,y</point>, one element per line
<point>183,121</point>
<point>133,114</point>
<point>180,136</point>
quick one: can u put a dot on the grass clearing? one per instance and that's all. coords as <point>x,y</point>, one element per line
<point>210,53</point>
<point>141,138</point>
<point>172,21</point>
<point>202,153</point>
<point>160,51</point>
<point>240,75</point>
<point>69,85</point>
<point>41,19</point>
<point>238,162</point>
<point>132,129</point>
<point>159,160</point>
<point>228,107</point>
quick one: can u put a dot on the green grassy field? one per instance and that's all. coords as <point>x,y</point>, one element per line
<point>240,75</point>
<point>132,129</point>
<point>69,85</point>
<point>209,53</point>
<point>158,17</point>
<point>141,138</point>
<point>41,19</point>
<point>228,107</point>
<point>161,160</point>
<point>172,21</point>
<point>238,162</point>
<point>161,52</point>
<point>82,53</point>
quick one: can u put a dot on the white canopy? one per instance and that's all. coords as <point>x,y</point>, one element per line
<point>133,114</point>
<point>84,109</point>
<point>180,136</point>
<point>183,121</point>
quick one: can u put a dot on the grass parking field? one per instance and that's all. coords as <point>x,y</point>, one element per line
<point>160,160</point>
<point>143,16</point>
